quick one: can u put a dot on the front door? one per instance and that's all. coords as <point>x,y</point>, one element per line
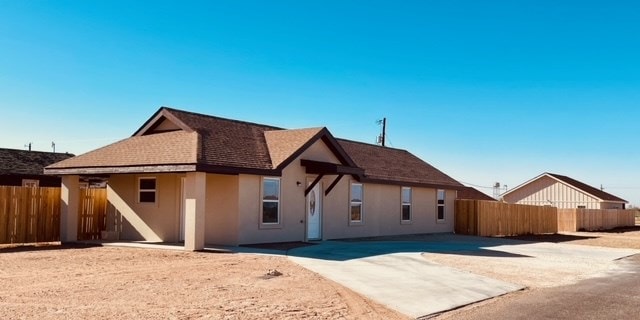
<point>314,213</point>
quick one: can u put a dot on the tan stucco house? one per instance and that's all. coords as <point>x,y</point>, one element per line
<point>201,179</point>
<point>550,189</point>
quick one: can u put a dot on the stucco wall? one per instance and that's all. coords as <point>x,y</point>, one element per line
<point>221,219</point>
<point>146,221</point>
<point>548,191</point>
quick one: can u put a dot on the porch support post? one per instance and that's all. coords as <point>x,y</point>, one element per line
<point>70,199</point>
<point>194,210</point>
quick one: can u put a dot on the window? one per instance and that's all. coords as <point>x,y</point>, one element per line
<point>30,183</point>
<point>356,202</point>
<point>147,190</point>
<point>271,201</point>
<point>582,207</point>
<point>441,194</point>
<point>406,204</point>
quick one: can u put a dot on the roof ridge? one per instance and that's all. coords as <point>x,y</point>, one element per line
<point>170,109</point>
<point>372,145</point>
<point>33,151</point>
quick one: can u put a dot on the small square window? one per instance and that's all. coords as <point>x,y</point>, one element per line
<point>147,190</point>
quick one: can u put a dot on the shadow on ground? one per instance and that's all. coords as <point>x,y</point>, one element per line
<point>44,247</point>
<point>554,238</point>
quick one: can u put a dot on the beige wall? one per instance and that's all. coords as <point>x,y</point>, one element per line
<point>146,221</point>
<point>222,209</point>
<point>548,191</point>
<point>382,207</point>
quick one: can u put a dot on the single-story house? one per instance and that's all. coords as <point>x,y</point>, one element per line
<point>550,189</point>
<point>196,178</point>
<point>471,193</point>
<point>25,168</point>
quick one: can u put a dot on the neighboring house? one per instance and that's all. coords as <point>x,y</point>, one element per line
<point>204,179</point>
<point>549,189</point>
<point>25,168</point>
<point>470,193</point>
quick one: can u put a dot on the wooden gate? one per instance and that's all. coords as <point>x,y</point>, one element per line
<point>92,211</point>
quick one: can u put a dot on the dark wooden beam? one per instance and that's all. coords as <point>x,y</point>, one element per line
<point>319,167</point>
<point>313,184</point>
<point>333,184</point>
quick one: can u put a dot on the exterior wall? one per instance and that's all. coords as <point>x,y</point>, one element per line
<point>292,226</point>
<point>221,219</point>
<point>611,205</point>
<point>382,207</point>
<point>548,191</point>
<point>158,221</point>
<point>381,212</point>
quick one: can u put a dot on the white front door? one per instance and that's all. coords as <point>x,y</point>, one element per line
<point>314,213</point>
<point>183,198</point>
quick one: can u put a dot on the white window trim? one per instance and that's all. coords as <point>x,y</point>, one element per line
<point>155,191</point>
<point>270,225</point>
<point>361,203</point>
<point>402,204</point>
<point>443,205</point>
<point>31,183</point>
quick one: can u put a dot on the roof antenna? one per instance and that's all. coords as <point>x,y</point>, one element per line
<point>28,145</point>
<point>382,136</point>
<point>53,145</point>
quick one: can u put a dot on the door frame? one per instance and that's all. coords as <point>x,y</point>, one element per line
<point>319,206</point>
<point>181,212</point>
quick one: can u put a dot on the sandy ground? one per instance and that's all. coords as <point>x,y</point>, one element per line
<point>124,283</point>
<point>537,280</point>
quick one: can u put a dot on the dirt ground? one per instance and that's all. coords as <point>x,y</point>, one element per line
<point>56,282</point>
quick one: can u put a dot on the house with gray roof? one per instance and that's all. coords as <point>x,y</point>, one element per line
<point>550,189</point>
<point>184,176</point>
<point>26,168</point>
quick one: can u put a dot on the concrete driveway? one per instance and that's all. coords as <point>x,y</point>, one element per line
<point>397,275</point>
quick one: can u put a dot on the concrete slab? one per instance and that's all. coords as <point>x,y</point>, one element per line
<point>404,281</point>
<point>395,274</point>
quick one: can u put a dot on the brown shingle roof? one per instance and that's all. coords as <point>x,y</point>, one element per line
<point>395,165</point>
<point>221,145</point>
<point>13,161</point>
<point>177,147</point>
<point>587,188</point>
<point>469,193</point>
<point>229,143</point>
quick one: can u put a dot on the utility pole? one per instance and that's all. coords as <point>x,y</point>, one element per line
<point>383,135</point>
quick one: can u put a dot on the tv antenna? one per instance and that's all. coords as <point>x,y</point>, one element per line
<point>383,135</point>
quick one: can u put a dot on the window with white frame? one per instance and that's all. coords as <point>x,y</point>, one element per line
<point>147,190</point>
<point>406,204</point>
<point>355,214</point>
<point>271,201</point>
<point>30,183</point>
<point>441,198</point>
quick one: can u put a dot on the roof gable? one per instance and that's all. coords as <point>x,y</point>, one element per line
<point>14,161</point>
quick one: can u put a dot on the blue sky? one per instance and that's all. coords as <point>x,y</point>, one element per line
<point>487,91</point>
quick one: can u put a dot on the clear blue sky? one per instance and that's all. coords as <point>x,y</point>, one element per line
<point>487,91</point>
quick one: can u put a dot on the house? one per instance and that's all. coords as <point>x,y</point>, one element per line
<point>562,192</point>
<point>25,168</point>
<point>200,179</point>
<point>470,193</point>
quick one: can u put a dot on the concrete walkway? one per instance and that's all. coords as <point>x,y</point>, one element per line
<point>404,281</point>
<point>395,274</point>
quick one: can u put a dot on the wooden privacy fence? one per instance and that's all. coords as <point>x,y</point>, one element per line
<point>33,214</point>
<point>29,214</point>
<point>571,220</point>
<point>92,211</point>
<point>491,218</point>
